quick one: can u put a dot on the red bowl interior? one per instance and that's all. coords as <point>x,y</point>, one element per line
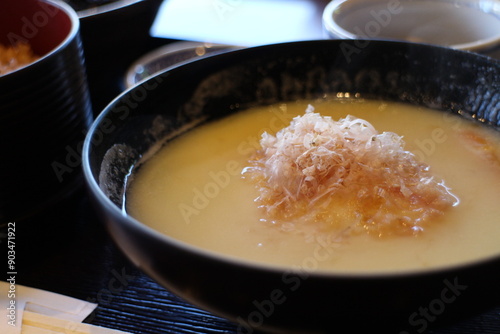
<point>40,23</point>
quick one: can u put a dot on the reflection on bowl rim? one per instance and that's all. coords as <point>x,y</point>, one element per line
<point>330,25</point>
<point>233,260</point>
<point>101,9</point>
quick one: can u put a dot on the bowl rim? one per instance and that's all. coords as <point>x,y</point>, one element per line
<point>74,30</point>
<point>331,26</point>
<point>107,204</point>
<point>169,50</point>
<point>105,8</point>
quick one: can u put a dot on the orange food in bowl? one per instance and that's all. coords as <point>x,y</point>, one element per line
<point>15,57</point>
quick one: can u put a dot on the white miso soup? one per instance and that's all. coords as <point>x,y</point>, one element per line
<point>193,189</point>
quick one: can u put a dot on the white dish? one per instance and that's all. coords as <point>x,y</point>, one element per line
<point>461,24</point>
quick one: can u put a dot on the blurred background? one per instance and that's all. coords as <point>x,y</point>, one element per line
<point>120,34</point>
<point>116,33</point>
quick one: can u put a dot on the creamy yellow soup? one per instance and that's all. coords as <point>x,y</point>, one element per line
<point>192,189</point>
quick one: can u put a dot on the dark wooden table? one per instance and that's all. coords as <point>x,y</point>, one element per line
<point>66,250</point>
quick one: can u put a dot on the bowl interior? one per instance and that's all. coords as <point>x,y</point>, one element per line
<point>176,100</point>
<point>42,24</point>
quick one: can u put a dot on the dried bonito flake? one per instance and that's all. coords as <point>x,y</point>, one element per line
<point>346,176</point>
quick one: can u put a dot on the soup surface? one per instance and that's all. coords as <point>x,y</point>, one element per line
<point>193,189</point>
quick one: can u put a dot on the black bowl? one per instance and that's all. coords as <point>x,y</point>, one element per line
<point>45,108</point>
<point>273,299</point>
<point>114,34</point>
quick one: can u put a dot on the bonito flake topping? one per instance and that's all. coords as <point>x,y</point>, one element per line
<point>334,173</point>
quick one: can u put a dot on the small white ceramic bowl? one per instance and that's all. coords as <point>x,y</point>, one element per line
<point>472,25</point>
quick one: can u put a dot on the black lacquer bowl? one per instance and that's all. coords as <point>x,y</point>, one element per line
<point>272,299</point>
<point>114,33</point>
<point>45,108</point>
